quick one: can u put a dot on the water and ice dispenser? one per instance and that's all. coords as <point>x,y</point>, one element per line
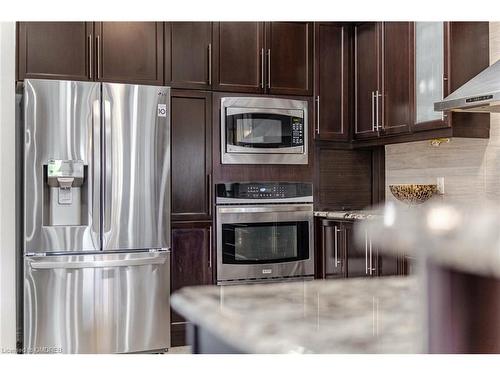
<point>65,179</point>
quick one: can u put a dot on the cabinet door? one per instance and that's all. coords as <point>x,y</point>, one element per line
<point>331,83</point>
<point>367,85</point>
<point>289,58</point>
<point>191,265</point>
<point>395,106</point>
<point>334,243</point>
<point>238,56</point>
<point>191,151</point>
<point>430,73</point>
<point>55,50</point>
<point>188,54</point>
<point>361,258</point>
<point>129,52</point>
<point>388,265</point>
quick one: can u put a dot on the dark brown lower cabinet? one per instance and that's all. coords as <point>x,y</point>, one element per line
<point>334,245</point>
<point>343,256</point>
<point>192,264</point>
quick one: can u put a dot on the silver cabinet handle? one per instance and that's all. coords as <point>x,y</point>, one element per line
<point>209,64</point>
<point>262,67</point>
<point>366,253</point>
<point>335,231</point>
<point>210,247</point>
<point>323,237</point>
<point>90,55</point>
<point>317,114</point>
<point>381,126</point>
<point>376,110</point>
<point>209,198</point>
<point>98,47</point>
<point>372,269</point>
<point>373,111</point>
<point>269,68</point>
<point>336,257</point>
<point>443,114</point>
<point>371,258</point>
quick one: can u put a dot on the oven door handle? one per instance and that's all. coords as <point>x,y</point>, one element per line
<point>274,208</point>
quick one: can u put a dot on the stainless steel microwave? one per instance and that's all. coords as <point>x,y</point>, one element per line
<point>257,130</point>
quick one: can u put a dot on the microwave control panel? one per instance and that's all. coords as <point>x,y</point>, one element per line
<point>297,131</point>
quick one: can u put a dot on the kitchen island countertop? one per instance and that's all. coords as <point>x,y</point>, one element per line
<point>323,316</point>
<point>348,215</point>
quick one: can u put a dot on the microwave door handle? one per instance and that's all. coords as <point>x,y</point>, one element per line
<point>230,111</point>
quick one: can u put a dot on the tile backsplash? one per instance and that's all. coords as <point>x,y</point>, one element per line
<point>470,167</point>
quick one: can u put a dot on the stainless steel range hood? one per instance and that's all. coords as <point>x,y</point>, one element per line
<point>480,94</point>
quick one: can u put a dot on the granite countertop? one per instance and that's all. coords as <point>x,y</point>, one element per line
<point>322,316</point>
<point>348,215</point>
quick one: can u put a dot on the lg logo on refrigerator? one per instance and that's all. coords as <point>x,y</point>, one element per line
<point>162,110</point>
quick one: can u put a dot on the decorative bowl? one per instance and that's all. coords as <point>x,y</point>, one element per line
<point>413,194</point>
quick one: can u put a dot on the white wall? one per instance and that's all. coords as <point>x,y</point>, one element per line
<point>7,188</point>
<point>471,167</point>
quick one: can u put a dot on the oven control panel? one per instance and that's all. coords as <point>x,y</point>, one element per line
<point>264,190</point>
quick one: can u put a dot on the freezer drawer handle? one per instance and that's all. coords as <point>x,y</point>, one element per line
<point>100,264</point>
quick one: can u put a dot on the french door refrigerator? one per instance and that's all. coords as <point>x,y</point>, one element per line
<point>96,217</point>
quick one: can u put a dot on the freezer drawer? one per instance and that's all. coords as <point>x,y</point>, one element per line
<point>97,303</point>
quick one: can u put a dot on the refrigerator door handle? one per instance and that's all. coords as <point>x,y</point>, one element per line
<point>106,165</point>
<point>96,167</point>
<point>161,258</point>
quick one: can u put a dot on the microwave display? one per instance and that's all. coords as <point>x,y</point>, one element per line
<point>259,130</point>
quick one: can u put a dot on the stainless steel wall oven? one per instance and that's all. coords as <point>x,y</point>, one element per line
<point>264,232</point>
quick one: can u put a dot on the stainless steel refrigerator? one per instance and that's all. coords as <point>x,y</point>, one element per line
<point>96,217</point>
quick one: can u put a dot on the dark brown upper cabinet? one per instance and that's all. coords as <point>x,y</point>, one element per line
<point>447,55</point>
<point>55,50</point>
<point>367,78</point>
<point>188,55</point>
<point>289,52</point>
<point>238,57</point>
<point>331,45</point>
<point>191,155</point>
<point>396,96</point>
<point>403,68</point>
<point>258,57</point>
<point>384,78</point>
<point>129,52</point>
